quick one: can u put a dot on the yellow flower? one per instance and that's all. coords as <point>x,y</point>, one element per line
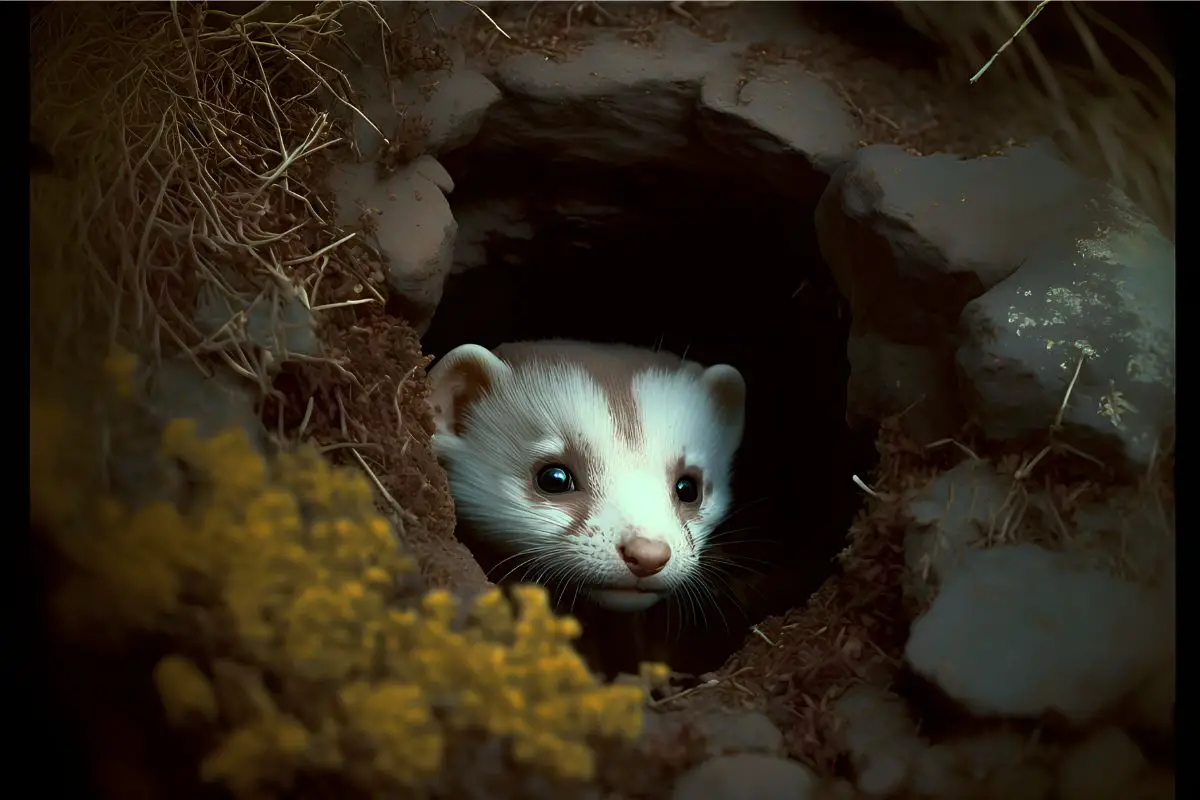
<point>184,690</point>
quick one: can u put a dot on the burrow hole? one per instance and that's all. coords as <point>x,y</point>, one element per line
<point>712,262</point>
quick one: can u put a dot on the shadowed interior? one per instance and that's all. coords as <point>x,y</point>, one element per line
<point>716,264</point>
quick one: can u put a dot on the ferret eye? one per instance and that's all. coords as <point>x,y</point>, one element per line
<point>556,479</point>
<point>687,490</point>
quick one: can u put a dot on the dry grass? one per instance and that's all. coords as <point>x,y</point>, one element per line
<point>194,145</point>
<point>195,139</point>
<point>1117,126</point>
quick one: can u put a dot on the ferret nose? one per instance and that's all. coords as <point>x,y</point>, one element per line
<point>644,557</point>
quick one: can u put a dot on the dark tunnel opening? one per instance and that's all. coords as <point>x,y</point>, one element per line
<point>715,264</point>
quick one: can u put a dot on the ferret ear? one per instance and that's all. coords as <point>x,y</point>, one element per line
<point>728,390</point>
<point>457,380</point>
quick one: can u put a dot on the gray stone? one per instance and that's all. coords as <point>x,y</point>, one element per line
<point>613,102</point>
<point>1000,765</point>
<point>1026,781</point>
<point>783,121</point>
<point>1105,766</point>
<point>277,322</point>
<point>456,107</point>
<point>447,104</point>
<point>618,103</point>
<point>747,775</point>
<point>1131,531</point>
<point>1019,631</point>
<point>887,378</point>
<point>411,225</point>
<point>733,732</point>
<point>1106,297</point>
<point>952,514</point>
<point>136,468</point>
<point>912,239</point>
<point>177,389</point>
<point>450,106</point>
<point>1152,707</point>
<point>876,732</point>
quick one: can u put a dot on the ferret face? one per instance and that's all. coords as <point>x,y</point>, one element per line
<point>598,467</point>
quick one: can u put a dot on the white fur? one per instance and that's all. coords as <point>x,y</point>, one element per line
<point>529,413</point>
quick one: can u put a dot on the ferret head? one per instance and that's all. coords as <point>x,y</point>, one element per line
<point>605,467</point>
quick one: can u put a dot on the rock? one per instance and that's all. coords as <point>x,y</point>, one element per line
<point>889,758</point>
<point>279,324</point>
<point>877,733</point>
<point>747,775</point>
<point>733,732</point>
<point>456,107</point>
<point>911,240</point>
<point>783,122</point>
<point>1156,783</point>
<point>1130,530</point>
<point>1152,707</point>
<point>411,223</point>
<point>447,105</point>
<point>618,103</point>
<point>137,469</point>
<point>612,102</point>
<point>1019,631</point>
<point>952,513</point>
<point>999,765</point>
<point>887,377</point>
<point>1106,766</point>
<point>1027,781</point>
<point>176,389</point>
<point>1106,297</point>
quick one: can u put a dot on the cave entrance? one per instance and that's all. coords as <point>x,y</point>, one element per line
<point>709,262</point>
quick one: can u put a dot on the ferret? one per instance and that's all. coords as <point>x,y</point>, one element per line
<point>604,466</point>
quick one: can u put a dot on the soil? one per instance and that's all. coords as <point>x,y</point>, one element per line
<point>368,402</point>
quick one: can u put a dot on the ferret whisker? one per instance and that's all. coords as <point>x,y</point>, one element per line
<point>678,599</point>
<point>578,578</point>
<point>574,598</point>
<point>675,603</point>
<point>746,506</point>
<point>541,564</point>
<point>727,584</point>
<point>733,563</point>
<point>722,533</point>
<point>532,556</point>
<point>704,590</point>
<point>707,571</point>
<point>574,577</point>
<point>698,604</point>
<point>534,548</point>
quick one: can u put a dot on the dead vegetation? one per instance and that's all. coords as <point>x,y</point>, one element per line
<point>198,143</point>
<point>199,140</point>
